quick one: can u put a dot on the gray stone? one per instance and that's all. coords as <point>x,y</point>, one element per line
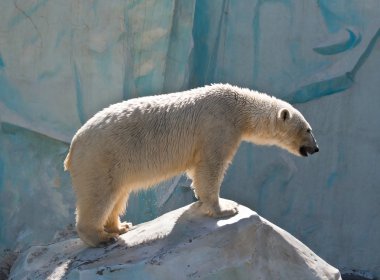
<point>182,244</point>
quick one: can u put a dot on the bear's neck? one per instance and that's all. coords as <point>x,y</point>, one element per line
<point>258,120</point>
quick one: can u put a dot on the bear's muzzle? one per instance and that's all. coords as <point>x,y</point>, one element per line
<point>305,150</point>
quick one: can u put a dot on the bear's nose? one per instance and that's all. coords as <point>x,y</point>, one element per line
<point>309,150</point>
<point>313,150</point>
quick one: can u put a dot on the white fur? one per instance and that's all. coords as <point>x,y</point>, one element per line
<point>137,143</point>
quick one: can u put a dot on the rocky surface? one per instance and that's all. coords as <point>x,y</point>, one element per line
<point>182,244</point>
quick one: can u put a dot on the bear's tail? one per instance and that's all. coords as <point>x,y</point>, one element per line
<point>67,162</point>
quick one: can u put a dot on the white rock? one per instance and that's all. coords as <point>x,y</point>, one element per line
<point>179,245</point>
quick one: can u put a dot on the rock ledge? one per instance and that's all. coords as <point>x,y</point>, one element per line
<point>182,244</point>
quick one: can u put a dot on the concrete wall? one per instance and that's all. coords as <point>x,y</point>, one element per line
<point>61,61</point>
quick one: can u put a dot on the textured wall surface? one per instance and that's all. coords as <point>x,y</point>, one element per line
<point>61,61</point>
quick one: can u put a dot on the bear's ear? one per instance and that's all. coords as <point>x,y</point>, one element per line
<point>284,114</point>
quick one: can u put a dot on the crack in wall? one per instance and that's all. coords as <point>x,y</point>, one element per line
<point>31,21</point>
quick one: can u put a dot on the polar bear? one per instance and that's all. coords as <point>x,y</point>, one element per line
<point>137,143</point>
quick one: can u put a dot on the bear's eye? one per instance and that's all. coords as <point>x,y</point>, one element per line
<point>308,130</point>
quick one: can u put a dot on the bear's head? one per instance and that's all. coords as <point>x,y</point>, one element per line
<point>294,133</point>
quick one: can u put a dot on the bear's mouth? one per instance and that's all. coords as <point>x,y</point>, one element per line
<point>305,150</point>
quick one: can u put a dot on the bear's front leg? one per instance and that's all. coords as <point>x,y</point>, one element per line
<point>207,178</point>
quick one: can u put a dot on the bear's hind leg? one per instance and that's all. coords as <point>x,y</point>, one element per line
<point>113,223</point>
<point>90,228</point>
<point>207,178</point>
<point>92,213</point>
